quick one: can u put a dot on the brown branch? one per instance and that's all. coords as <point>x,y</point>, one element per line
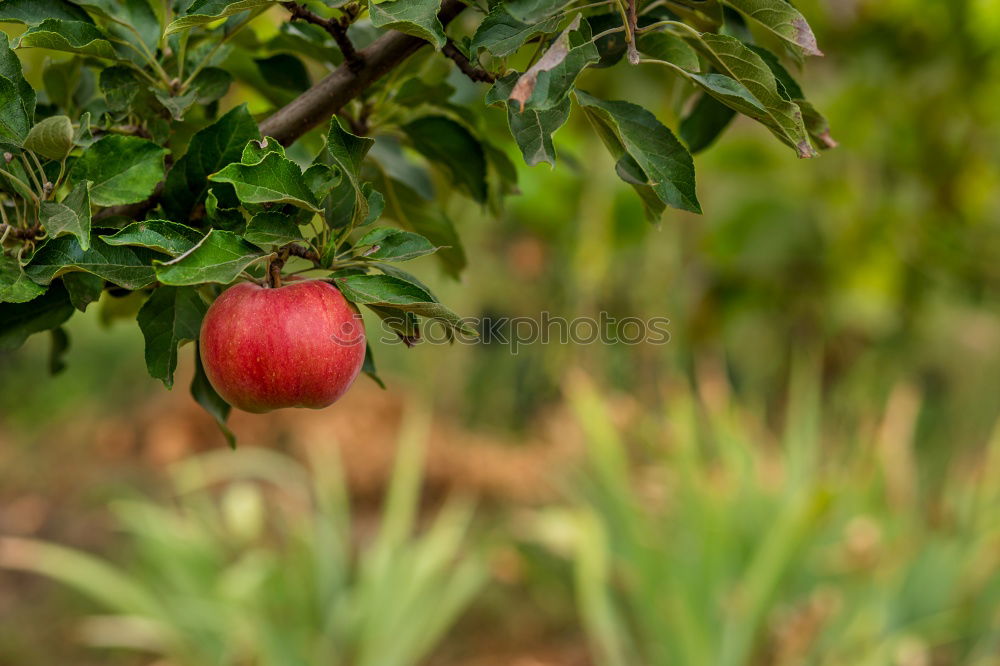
<point>324,99</point>
<point>631,34</point>
<point>337,28</point>
<point>470,70</point>
<point>303,252</point>
<point>21,234</point>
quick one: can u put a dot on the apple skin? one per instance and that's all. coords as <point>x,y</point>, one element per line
<point>298,345</point>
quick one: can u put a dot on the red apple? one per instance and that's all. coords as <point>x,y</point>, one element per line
<point>298,345</point>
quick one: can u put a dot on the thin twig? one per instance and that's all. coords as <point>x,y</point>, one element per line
<point>630,33</point>
<point>470,70</point>
<point>337,28</point>
<point>304,253</point>
<point>30,233</point>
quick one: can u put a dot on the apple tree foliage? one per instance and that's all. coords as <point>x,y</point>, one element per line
<point>124,171</point>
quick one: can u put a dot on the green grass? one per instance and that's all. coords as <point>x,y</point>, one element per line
<point>726,548</point>
<point>255,561</point>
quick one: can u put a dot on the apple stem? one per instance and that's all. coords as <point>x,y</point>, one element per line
<point>274,275</point>
<point>274,269</point>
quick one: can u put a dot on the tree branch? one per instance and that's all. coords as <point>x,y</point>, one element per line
<point>337,28</point>
<point>470,70</point>
<point>324,99</point>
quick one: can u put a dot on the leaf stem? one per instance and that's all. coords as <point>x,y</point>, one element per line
<point>27,188</point>
<point>609,31</point>
<point>41,172</point>
<point>3,215</point>
<point>32,175</point>
<point>145,52</point>
<point>672,24</point>
<point>62,172</point>
<point>225,38</point>
<point>587,6</point>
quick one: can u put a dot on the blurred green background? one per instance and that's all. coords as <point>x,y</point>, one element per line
<point>807,473</point>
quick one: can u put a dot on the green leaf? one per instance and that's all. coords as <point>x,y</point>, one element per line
<point>17,182</point>
<point>163,236</point>
<point>220,217</point>
<point>388,244</point>
<point>271,228</point>
<point>782,19</point>
<point>201,12</point>
<point>211,84</point>
<point>706,121</point>
<point>61,80</point>
<point>72,216</point>
<point>630,171</point>
<point>612,47</point>
<point>33,12</point>
<point>414,17</point>
<point>220,257</point>
<point>177,105</point>
<point>393,292</point>
<point>170,316</point>
<point>375,202</point>
<point>671,48</point>
<point>212,402</point>
<point>424,217</point>
<point>15,285</point>
<point>501,34</point>
<point>547,83</point>
<point>405,325</point>
<point>284,70</point>
<point>136,13</point>
<point>321,180</point>
<point>733,59</point>
<point>396,271</point>
<point>368,367</point>
<point>14,125</point>
<point>449,144</point>
<point>124,266</point>
<point>664,164</point>
<point>210,149</point>
<point>348,152</point>
<point>83,289</point>
<point>83,136</point>
<point>532,130</point>
<point>17,97</point>
<point>255,151</point>
<point>816,124</point>
<point>57,352</point>
<point>51,138</point>
<point>69,36</point>
<point>120,86</point>
<point>532,11</point>
<point>414,91</point>
<point>20,320</point>
<point>274,179</point>
<point>123,169</point>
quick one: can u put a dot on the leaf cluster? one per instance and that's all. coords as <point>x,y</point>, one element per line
<point>126,173</point>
